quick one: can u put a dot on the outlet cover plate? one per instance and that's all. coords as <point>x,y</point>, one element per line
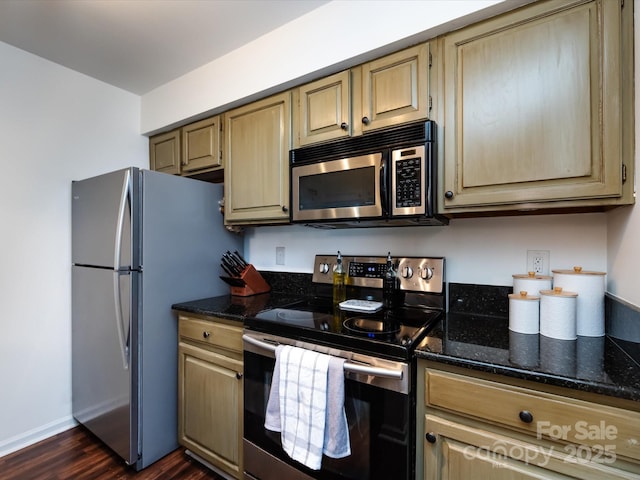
<point>538,261</point>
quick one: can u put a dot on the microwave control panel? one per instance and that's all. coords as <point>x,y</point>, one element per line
<point>408,181</point>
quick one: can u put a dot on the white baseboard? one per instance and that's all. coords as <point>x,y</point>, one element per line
<point>35,435</point>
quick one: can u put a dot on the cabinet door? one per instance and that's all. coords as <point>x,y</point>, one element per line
<point>256,176</point>
<point>210,402</point>
<point>395,88</point>
<point>532,108</point>
<point>201,145</point>
<point>164,152</point>
<point>324,109</point>
<point>455,451</point>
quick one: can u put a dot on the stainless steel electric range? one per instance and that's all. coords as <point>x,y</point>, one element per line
<point>379,374</point>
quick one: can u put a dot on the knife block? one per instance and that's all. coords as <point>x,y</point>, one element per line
<point>253,283</point>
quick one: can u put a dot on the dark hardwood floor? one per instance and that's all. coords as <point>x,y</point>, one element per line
<point>77,455</point>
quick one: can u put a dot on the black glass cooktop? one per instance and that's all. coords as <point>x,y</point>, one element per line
<point>387,333</point>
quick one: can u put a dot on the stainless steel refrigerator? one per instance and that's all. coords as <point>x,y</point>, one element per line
<point>141,241</point>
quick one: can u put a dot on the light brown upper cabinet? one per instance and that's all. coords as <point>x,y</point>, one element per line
<point>194,149</point>
<point>256,175</point>
<point>395,88</point>
<point>535,109</point>
<point>388,91</point>
<point>201,146</point>
<point>164,152</point>
<point>323,109</point>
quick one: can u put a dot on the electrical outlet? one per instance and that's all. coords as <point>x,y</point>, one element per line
<point>538,261</point>
<point>279,255</point>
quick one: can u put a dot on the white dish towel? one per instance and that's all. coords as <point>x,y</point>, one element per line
<point>306,405</point>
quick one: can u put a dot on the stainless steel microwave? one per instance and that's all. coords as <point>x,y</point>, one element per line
<point>384,178</point>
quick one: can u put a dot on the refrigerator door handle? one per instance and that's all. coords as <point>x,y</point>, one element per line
<point>124,196</point>
<point>123,339</point>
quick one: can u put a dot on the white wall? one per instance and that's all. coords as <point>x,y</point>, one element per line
<point>483,250</point>
<point>623,227</point>
<point>55,126</point>
<point>321,42</point>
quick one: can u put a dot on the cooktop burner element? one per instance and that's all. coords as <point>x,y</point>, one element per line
<point>371,328</point>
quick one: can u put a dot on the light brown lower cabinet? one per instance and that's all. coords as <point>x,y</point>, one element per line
<point>480,427</point>
<point>210,391</point>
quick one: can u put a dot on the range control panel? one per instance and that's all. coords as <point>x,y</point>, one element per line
<point>416,274</point>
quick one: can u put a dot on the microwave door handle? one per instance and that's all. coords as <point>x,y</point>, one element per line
<point>384,183</point>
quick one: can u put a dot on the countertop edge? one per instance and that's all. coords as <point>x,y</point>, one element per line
<point>208,313</point>
<point>622,392</point>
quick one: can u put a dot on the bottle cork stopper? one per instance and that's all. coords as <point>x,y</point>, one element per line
<point>577,269</point>
<point>531,274</point>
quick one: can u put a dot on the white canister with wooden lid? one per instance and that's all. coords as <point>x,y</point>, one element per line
<point>558,314</point>
<point>531,282</point>
<point>524,312</point>
<point>590,303</point>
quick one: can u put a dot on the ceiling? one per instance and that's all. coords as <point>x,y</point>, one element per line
<point>138,45</point>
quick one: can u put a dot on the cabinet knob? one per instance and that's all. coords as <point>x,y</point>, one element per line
<point>366,120</point>
<point>526,416</point>
<point>448,194</point>
<point>239,375</point>
<point>430,437</point>
<point>206,334</point>
<point>285,209</point>
<point>344,126</point>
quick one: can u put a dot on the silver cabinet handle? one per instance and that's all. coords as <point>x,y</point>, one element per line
<point>348,367</point>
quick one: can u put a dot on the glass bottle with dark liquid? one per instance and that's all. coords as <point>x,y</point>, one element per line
<point>391,294</point>
<point>339,287</point>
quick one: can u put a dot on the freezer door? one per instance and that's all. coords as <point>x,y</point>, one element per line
<point>104,366</point>
<point>103,209</point>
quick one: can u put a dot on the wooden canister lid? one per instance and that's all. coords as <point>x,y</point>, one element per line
<point>532,275</point>
<point>577,271</point>
<point>558,292</point>
<point>522,295</point>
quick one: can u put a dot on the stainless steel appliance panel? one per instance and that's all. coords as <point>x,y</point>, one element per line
<point>102,207</point>
<point>381,179</point>
<point>124,360</point>
<point>345,188</point>
<point>102,369</point>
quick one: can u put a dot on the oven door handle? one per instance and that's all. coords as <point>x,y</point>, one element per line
<point>348,366</point>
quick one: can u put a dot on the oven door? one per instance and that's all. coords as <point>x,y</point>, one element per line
<point>350,188</point>
<point>381,425</point>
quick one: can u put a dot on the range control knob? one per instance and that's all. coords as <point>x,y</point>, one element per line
<point>426,273</point>
<point>323,268</point>
<point>407,272</point>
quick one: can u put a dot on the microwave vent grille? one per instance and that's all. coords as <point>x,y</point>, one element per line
<point>421,132</point>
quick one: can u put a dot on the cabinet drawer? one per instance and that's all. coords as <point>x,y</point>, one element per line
<point>550,416</point>
<point>210,332</point>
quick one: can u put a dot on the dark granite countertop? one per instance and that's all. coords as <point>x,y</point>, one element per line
<point>603,365</point>
<point>236,308</point>
<point>608,365</point>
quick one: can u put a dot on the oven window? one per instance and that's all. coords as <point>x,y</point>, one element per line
<point>344,188</point>
<point>379,428</point>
